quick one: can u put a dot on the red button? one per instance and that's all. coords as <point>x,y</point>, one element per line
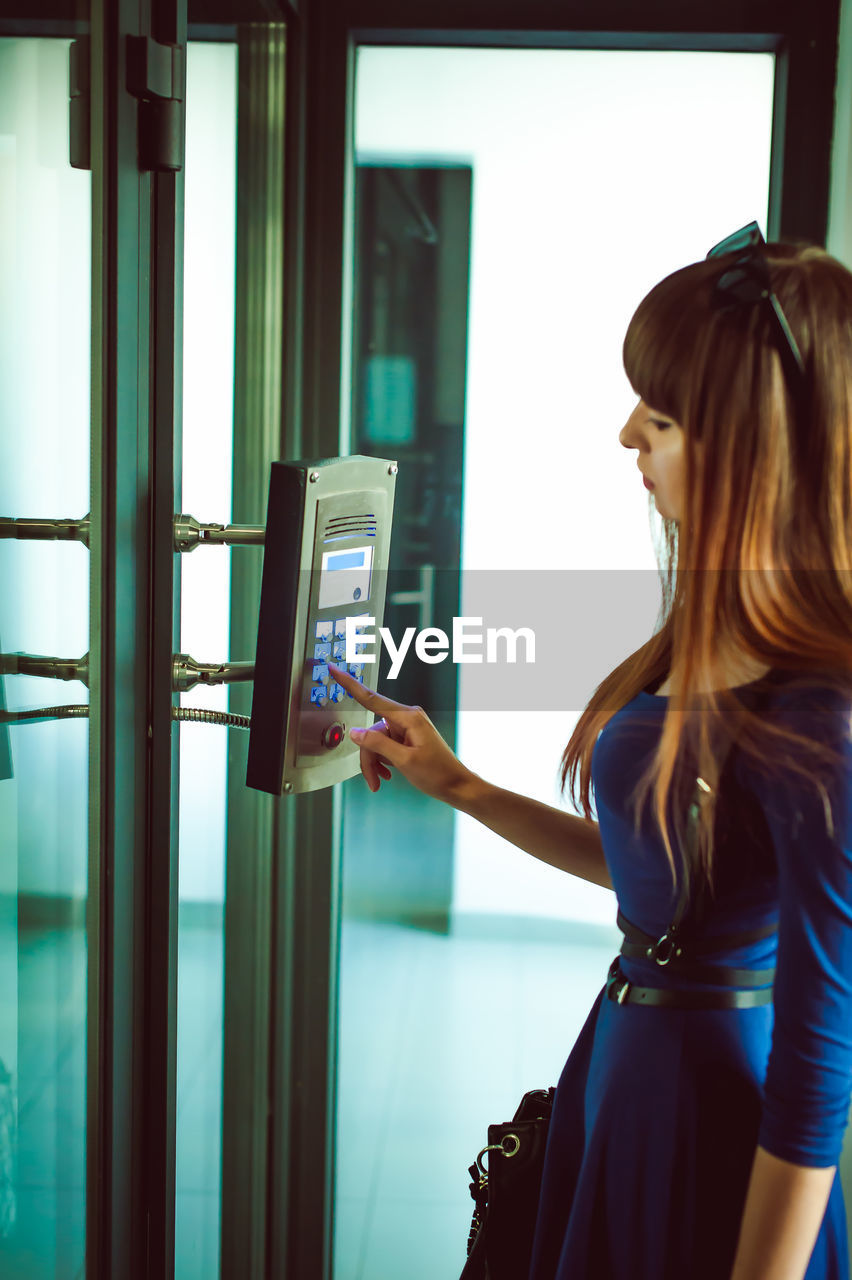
<point>332,736</point>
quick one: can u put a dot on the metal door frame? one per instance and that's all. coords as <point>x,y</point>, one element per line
<point>136,361</point>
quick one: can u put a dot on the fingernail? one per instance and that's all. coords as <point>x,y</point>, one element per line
<point>357,733</point>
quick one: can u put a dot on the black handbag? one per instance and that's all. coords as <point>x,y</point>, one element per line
<point>505,1193</point>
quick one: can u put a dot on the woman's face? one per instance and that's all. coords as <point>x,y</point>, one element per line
<point>661,459</point>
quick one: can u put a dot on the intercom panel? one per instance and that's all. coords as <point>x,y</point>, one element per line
<point>324,576</point>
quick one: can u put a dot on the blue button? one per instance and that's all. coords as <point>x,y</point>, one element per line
<point>319,695</point>
<point>321,673</point>
<point>322,652</point>
<point>324,629</point>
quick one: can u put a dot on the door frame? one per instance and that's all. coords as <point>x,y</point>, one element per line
<point>132,923</point>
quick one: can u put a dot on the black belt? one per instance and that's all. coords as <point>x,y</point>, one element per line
<point>668,950</point>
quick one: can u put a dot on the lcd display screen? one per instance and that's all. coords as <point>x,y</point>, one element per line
<point>345,577</point>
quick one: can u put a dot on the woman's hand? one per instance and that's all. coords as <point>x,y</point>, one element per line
<point>405,739</point>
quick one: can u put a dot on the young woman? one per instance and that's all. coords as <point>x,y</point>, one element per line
<point>700,1115</point>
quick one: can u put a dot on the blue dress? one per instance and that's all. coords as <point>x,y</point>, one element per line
<point>658,1110</point>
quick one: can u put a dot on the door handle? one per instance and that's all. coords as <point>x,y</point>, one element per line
<point>423,597</point>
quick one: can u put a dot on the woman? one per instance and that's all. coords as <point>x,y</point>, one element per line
<point>699,1119</point>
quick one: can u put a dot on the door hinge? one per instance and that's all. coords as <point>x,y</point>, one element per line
<point>156,75</point>
<point>79,104</point>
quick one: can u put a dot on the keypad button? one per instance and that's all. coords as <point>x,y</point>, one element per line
<point>337,693</point>
<point>333,735</point>
<point>338,651</point>
<point>340,629</point>
<point>322,652</point>
<point>324,629</point>
<point>319,695</point>
<point>321,673</point>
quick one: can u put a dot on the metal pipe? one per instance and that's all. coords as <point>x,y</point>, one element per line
<point>46,530</point>
<point>190,533</point>
<point>186,672</point>
<point>32,664</point>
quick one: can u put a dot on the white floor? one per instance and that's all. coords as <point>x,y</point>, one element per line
<point>439,1036</point>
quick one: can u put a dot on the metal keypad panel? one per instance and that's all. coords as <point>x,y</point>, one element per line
<point>330,645</point>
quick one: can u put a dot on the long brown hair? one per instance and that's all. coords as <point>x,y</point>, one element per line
<point>760,562</point>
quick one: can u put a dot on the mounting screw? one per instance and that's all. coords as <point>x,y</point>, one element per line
<point>287,788</point>
<point>313,477</point>
<point>392,469</point>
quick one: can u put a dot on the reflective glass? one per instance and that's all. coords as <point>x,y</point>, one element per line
<point>45,325</point>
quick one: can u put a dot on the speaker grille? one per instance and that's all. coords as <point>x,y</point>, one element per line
<point>363,526</point>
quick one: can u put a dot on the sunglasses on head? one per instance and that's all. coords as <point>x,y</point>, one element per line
<point>746,282</point>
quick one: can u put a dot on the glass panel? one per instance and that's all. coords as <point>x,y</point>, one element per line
<point>208,373</point>
<point>45,325</point>
<point>599,173</point>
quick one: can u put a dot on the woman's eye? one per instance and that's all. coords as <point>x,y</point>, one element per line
<point>660,424</point>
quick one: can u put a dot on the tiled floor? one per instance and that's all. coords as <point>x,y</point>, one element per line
<point>47,1189</point>
<point>198,1171</point>
<point>438,1037</point>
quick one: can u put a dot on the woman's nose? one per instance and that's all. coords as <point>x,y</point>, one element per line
<point>627,435</point>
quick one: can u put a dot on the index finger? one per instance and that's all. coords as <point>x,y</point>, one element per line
<point>368,698</point>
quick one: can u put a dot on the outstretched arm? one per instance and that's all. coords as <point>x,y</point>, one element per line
<point>406,740</point>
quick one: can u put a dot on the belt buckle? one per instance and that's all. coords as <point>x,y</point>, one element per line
<point>664,949</point>
<point>618,982</point>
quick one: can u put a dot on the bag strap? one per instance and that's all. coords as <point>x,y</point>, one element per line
<point>668,945</point>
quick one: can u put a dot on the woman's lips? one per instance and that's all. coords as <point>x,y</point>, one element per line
<point>649,484</point>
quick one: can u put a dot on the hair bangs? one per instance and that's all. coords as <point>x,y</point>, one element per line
<point>662,331</point>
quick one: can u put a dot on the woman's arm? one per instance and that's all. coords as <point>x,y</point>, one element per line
<point>564,840</point>
<point>784,1208</point>
<point>406,739</point>
<point>806,1090</point>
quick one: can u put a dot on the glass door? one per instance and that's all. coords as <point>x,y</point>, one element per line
<point>45,348</point>
<point>143,297</point>
<point>446,1021</point>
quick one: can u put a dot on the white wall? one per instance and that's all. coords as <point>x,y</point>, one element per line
<point>839,238</point>
<point>595,174</point>
<point>45,304</point>
<point>208,416</point>
<point>45,308</point>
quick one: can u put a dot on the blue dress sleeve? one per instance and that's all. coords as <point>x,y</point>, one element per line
<point>808,1081</point>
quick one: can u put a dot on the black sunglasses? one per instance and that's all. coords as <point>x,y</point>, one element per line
<point>746,282</point>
